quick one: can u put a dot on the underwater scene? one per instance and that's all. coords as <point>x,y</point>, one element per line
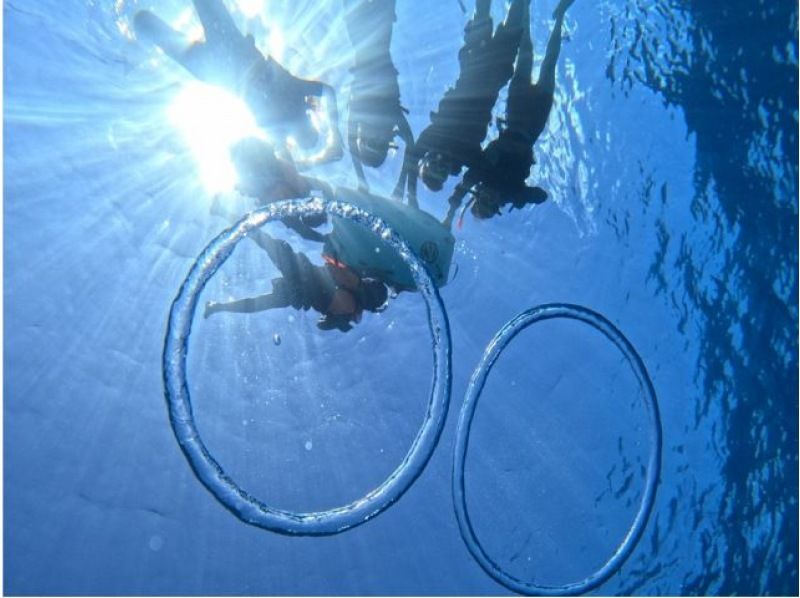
<point>392,297</point>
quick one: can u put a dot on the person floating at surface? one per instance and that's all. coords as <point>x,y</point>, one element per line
<point>500,177</point>
<point>267,177</point>
<point>376,116</point>
<point>459,126</point>
<point>279,101</point>
<point>333,290</point>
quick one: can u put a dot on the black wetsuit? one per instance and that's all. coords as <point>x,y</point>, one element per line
<point>460,124</point>
<point>506,162</point>
<point>375,92</point>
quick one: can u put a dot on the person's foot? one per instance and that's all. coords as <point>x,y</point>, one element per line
<point>211,307</point>
<point>561,9</point>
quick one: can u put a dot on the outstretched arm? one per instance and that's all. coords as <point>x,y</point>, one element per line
<point>352,142</point>
<point>457,198</point>
<point>409,157</point>
<point>333,144</point>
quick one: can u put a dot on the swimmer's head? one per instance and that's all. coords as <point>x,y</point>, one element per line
<point>373,146</point>
<point>434,169</point>
<point>486,202</point>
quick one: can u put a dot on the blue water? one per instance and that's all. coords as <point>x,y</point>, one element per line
<point>671,162</point>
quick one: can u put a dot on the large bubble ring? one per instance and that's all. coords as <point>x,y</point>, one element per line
<point>476,385</point>
<point>176,346</point>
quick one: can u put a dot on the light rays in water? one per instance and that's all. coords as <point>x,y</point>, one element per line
<point>211,121</point>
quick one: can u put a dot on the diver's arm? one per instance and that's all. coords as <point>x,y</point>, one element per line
<point>299,226</point>
<point>400,187</point>
<point>363,186</point>
<point>412,175</point>
<point>333,150</point>
<point>457,198</point>
<point>405,132</point>
<point>352,142</point>
<point>409,154</point>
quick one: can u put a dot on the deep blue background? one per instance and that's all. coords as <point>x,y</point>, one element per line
<point>671,161</point>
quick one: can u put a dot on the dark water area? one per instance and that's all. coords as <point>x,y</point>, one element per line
<point>671,161</point>
<point>739,99</point>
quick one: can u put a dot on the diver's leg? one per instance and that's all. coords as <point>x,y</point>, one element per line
<point>196,57</point>
<point>250,305</point>
<point>216,20</point>
<point>517,103</point>
<point>516,13</point>
<point>524,67</point>
<point>150,27</point>
<point>547,73</point>
<point>483,9</point>
<point>561,9</point>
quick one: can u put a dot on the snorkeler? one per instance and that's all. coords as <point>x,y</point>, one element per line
<point>376,116</point>
<point>267,177</point>
<point>333,290</point>
<point>459,126</point>
<point>500,177</point>
<point>279,101</point>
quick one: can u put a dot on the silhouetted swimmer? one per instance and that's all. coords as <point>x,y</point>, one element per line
<point>376,115</point>
<point>459,126</point>
<point>266,176</point>
<point>333,290</point>
<point>500,178</point>
<point>278,100</point>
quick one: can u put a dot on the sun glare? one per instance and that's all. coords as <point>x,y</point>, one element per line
<point>211,121</point>
<point>250,8</point>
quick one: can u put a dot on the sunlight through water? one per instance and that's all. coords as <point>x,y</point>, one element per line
<point>211,121</point>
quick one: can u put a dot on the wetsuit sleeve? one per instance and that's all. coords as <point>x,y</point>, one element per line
<point>457,198</point>
<point>300,226</point>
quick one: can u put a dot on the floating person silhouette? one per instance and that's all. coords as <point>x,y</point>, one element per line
<point>358,268</point>
<point>459,126</point>
<point>334,290</point>
<point>268,177</point>
<point>500,177</point>
<point>376,115</point>
<point>278,100</point>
